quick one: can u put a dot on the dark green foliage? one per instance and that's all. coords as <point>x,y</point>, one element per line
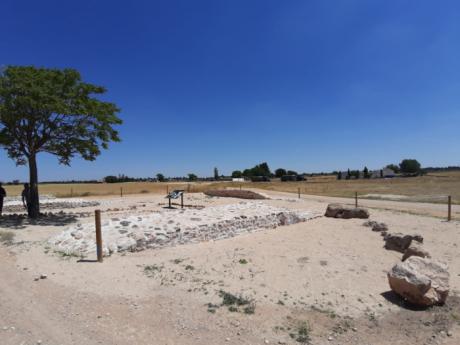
<point>52,111</point>
<point>160,177</point>
<point>291,172</point>
<point>110,179</point>
<point>339,175</point>
<point>366,173</point>
<point>410,166</point>
<point>216,174</point>
<point>237,174</point>
<point>230,299</point>
<point>119,178</point>
<point>258,170</point>
<point>302,334</point>
<point>192,177</point>
<point>280,172</point>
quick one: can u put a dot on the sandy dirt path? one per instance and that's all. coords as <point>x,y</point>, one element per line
<point>328,273</point>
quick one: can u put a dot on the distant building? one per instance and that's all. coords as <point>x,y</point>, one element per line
<point>238,179</point>
<point>383,173</point>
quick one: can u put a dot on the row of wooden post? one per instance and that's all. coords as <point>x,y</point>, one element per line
<point>449,204</point>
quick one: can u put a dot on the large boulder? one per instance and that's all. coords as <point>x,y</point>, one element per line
<point>345,212</point>
<point>420,281</point>
<point>415,249</point>
<point>400,242</point>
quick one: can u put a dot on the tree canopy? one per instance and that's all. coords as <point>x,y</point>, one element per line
<point>280,172</point>
<point>237,174</point>
<point>410,166</point>
<point>261,169</point>
<point>52,111</point>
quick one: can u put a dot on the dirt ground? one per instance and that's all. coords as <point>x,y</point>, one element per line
<point>320,282</point>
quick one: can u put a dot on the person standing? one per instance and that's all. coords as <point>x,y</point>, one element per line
<point>26,197</point>
<point>2,196</point>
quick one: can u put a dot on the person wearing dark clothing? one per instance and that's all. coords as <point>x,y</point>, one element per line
<point>26,197</point>
<point>2,196</point>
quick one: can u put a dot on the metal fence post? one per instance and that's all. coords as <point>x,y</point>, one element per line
<point>449,208</point>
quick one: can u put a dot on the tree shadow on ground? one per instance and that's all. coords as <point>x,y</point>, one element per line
<point>15,221</point>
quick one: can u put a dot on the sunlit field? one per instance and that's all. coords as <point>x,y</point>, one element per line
<point>432,187</point>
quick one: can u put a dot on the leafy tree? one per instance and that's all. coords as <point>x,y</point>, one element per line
<point>52,111</point>
<point>339,175</point>
<point>348,175</point>
<point>366,173</point>
<point>237,174</point>
<point>192,177</point>
<point>111,179</point>
<point>160,177</point>
<point>410,166</point>
<point>393,167</point>
<point>247,172</point>
<point>216,174</point>
<point>280,172</point>
<point>292,172</point>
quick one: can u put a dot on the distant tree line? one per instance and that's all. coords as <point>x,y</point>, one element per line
<point>407,167</point>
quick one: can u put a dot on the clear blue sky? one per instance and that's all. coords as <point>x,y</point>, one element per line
<point>305,85</point>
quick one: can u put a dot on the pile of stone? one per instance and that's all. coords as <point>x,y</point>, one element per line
<point>174,227</point>
<point>47,202</point>
<point>417,278</point>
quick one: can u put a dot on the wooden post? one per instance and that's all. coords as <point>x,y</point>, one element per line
<point>169,202</point>
<point>167,189</point>
<point>449,208</point>
<point>121,192</point>
<point>298,192</point>
<point>71,192</point>
<point>98,235</point>
<point>182,200</point>
<point>356,199</point>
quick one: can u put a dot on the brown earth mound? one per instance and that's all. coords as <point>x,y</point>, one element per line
<point>242,194</point>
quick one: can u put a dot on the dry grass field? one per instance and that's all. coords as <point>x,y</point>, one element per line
<point>430,188</point>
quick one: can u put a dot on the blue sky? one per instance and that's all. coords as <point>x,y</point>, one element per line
<point>305,85</point>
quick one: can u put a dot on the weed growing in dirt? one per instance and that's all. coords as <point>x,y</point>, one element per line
<point>233,302</point>
<point>7,237</point>
<point>67,255</point>
<point>189,268</point>
<point>151,270</point>
<point>243,261</point>
<point>301,333</point>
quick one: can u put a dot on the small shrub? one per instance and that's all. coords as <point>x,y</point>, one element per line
<point>189,268</point>
<point>234,302</point>
<point>230,299</point>
<point>250,309</point>
<point>243,261</point>
<point>302,333</point>
<point>151,270</point>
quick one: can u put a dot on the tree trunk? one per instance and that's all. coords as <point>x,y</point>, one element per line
<point>33,208</point>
